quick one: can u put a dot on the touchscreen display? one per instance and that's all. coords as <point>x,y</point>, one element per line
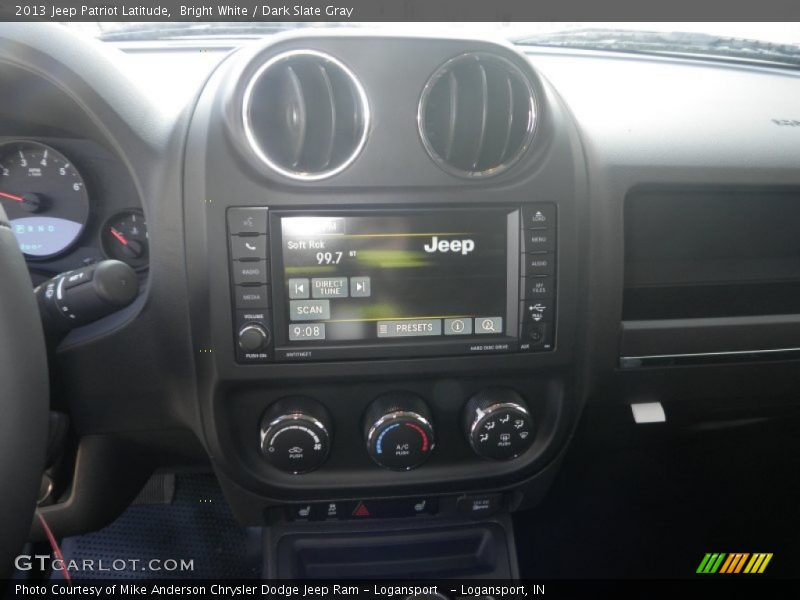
<point>392,276</point>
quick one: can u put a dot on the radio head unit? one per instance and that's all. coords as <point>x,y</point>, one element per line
<point>408,282</point>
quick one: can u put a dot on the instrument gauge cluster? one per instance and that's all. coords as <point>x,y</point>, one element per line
<point>44,196</point>
<point>70,203</point>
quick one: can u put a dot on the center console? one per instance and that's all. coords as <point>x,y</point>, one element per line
<point>388,308</point>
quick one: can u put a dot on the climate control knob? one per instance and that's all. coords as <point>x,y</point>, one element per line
<point>295,434</point>
<point>498,424</point>
<point>398,430</point>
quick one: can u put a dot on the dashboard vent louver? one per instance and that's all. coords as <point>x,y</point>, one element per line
<point>305,115</point>
<point>477,115</point>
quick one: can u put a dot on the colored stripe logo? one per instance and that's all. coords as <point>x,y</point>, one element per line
<point>735,562</point>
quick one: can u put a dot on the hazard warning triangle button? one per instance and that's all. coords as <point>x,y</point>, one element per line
<point>361,510</point>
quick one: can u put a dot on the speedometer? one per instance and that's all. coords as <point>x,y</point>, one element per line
<point>44,197</point>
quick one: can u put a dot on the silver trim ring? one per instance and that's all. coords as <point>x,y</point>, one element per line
<point>259,328</point>
<point>530,128</point>
<point>399,414</point>
<point>248,126</point>
<point>483,412</point>
<point>296,416</point>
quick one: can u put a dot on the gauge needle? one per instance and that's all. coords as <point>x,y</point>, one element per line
<point>13,197</point>
<point>120,238</point>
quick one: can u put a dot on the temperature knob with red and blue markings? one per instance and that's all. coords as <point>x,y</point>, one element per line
<point>398,430</point>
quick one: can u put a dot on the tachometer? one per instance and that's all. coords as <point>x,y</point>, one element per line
<point>44,197</point>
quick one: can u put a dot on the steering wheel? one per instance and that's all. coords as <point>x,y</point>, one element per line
<point>24,399</point>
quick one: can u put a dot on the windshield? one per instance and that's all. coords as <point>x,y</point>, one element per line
<point>775,43</point>
<point>776,33</point>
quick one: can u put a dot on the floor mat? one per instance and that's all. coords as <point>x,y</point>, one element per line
<point>197,526</point>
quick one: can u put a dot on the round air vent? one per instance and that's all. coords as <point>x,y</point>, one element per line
<point>306,115</point>
<point>477,115</point>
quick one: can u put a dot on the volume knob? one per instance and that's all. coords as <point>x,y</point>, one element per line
<point>253,337</point>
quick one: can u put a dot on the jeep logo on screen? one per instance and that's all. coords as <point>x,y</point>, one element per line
<point>463,247</point>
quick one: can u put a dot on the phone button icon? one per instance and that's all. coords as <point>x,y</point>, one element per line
<point>249,247</point>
